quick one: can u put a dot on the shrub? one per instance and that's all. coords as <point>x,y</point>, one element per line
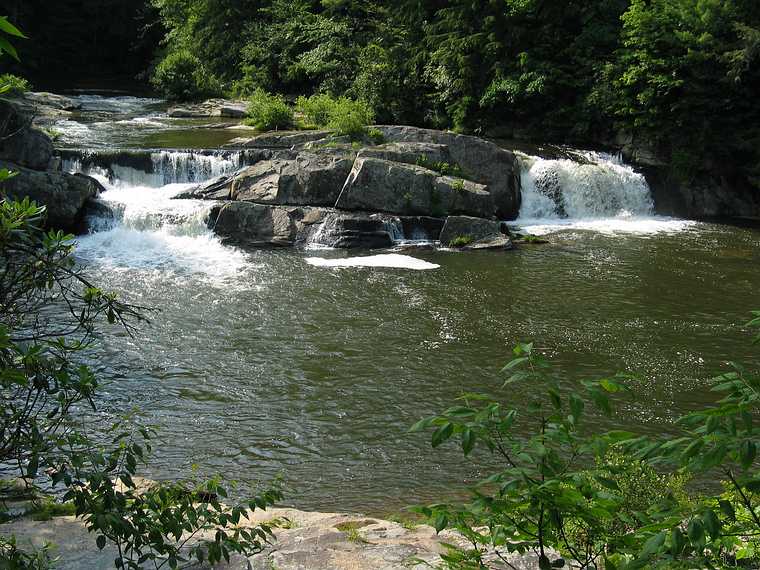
<point>443,168</point>
<point>350,118</point>
<point>610,500</point>
<point>460,241</point>
<point>317,109</point>
<point>180,76</point>
<point>13,84</point>
<point>376,136</point>
<point>268,112</point>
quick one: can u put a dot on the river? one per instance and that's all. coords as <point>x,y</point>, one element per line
<point>267,362</point>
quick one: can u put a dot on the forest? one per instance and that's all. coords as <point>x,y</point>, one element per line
<point>680,76</point>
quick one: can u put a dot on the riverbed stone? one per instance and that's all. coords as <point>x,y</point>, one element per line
<point>210,108</point>
<point>467,226</point>
<point>481,160</point>
<point>385,186</point>
<point>304,541</point>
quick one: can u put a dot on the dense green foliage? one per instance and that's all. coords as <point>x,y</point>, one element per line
<point>269,112</point>
<point>611,500</point>
<point>679,77</point>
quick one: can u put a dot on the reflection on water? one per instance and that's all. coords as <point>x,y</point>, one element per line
<point>281,366</point>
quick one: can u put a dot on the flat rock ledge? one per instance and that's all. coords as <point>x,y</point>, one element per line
<point>305,541</point>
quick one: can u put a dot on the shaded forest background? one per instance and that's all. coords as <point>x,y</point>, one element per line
<point>681,76</point>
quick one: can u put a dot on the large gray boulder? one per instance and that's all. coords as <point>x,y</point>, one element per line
<point>285,178</point>
<point>474,229</point>
<point>254,224</point>
<point>64,195</point>
<point>262,225</point>
<point>210,108</point>
<point>19,142</point>
<point>481,160</point>
<point>384,186</point>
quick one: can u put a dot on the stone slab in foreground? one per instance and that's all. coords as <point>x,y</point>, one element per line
<point>311,541</point>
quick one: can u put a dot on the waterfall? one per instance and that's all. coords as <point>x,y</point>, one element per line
<point>589,191</point>
<point>323,237</point>
<point>596,186</point>
<point>137,223</point>
<point>156,169</point>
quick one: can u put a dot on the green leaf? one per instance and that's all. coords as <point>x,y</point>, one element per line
<point>468,441</point>
<point>653,545</point>
<point>727,509</point>
<point>677,542</point>
<point>101,542</point>
<point>441,522</point>
<point>442,434</point>
<point>696,533</point>
<point>9,28</point>
<point>747,453</point>
<point>5,46</point>
<point>712,523</point>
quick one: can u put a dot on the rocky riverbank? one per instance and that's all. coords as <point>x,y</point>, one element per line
<point>304,541</point>
<point>28,151</point>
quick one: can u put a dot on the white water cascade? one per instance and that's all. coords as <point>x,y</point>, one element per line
<point>140,225</point>
<point>594,191</point>
<point>155,168</point>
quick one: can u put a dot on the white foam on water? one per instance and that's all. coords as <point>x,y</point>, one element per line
<point>391,260</point>
<point>152,231</point>
<point>609,226</point>
<point>597,192</point>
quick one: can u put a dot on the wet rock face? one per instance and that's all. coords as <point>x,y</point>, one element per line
<point>348,231</point>
<point>255,224</point>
